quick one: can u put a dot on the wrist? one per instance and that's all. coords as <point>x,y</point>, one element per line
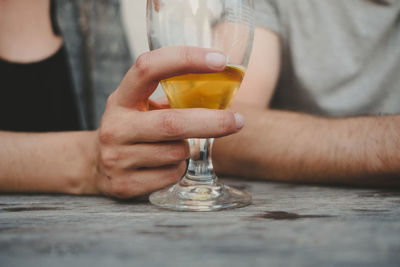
<point>85,180</point>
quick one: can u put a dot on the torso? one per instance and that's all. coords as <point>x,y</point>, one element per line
<point>26,33</point>
<point>340,58</point>
<point>35,85</point>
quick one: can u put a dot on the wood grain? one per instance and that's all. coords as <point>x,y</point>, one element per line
<point>287,225</point>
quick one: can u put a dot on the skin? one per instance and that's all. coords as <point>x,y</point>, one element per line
<point>296,147</point>
<point>139,146</point>
<point>117,160</point>
<point>25,22</point>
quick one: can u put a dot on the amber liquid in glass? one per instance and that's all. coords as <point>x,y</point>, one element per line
<point>209,90</point>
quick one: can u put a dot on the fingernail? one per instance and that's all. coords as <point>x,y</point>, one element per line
<point>239,121</point>
<point>216,60</point>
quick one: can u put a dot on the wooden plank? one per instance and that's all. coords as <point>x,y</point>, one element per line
<point>287,225</point>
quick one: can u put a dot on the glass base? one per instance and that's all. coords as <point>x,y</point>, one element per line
<point>188,195</point>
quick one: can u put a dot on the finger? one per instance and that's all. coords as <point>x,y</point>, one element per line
<point>160,103</point>
<point>144,181</point>
<point>176,124</point>
<point>157,5</point>
<point>151,67</point>
<point>170,124</point>
<point>145,155</point>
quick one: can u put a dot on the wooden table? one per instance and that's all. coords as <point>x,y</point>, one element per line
<point>287,225</point>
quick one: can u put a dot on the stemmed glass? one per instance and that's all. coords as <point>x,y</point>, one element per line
<point>223,25</point>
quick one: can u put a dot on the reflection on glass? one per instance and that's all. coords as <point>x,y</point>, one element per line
<point>223,25</point>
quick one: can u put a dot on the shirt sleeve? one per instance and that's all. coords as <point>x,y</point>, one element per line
<point>267,14</point>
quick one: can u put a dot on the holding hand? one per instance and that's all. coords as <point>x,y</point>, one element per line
<point>141,150</point>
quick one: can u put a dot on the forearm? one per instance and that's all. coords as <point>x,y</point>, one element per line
<point>287,146</point>
<point>47,162</point>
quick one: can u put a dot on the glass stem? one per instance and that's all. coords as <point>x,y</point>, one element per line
<point>200,168</point>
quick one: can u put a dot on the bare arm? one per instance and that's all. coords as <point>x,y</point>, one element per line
<point>47,162</point>
<point>296,147</point>
<point>292,147</point>
<point>135,151</point>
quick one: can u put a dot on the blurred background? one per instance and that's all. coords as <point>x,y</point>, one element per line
<point>134,20</point>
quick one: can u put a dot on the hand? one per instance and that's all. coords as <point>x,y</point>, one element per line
<point>141,150</point>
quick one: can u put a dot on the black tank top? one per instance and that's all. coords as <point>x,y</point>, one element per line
<point>38,96</point>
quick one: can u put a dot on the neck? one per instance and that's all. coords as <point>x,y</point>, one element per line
<point>26,33</point>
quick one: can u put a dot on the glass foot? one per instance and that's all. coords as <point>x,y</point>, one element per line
<point>188,196</point>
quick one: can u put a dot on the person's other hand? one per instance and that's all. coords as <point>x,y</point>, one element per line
<point>140,149</point>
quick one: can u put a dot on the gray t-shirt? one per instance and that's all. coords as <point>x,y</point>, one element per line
<point>339,57</point>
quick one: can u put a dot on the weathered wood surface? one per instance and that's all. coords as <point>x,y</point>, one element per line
<point>286,225</point>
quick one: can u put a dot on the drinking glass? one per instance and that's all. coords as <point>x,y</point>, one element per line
<point>223,25</point>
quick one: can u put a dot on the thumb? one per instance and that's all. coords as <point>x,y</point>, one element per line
<point>151,67</point>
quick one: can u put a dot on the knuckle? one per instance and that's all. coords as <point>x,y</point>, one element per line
<point>226,122</point>
<point>118,189</point>
<point>176,172</point>
<point>172,124</point>
<point>179,152</point>
<point>186,55</point>
<point>109,158</point>
<point>111,128</point>
<point>142,64</point>
<point>106,134</point>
